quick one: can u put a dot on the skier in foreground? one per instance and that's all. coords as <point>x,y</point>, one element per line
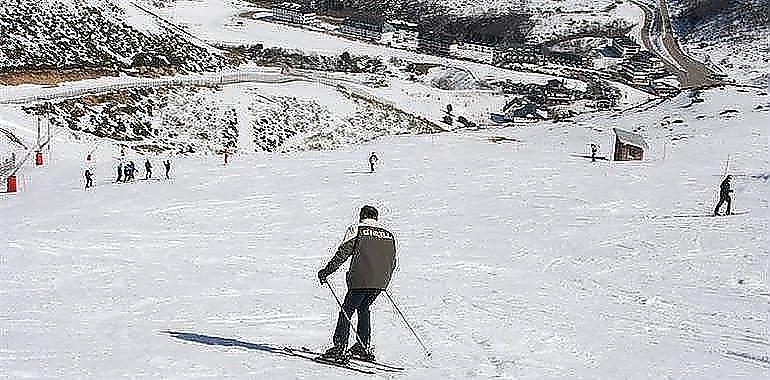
<point>724,196</point>
<point>372,249</point>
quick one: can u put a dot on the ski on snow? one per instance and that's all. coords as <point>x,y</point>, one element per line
<point>348,365</point>
<point>685,216</point>
<point>378,365</point>
<point>354,363</point>
<point>312,357</point>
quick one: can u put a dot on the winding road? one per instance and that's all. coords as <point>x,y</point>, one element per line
<point>659,39</point>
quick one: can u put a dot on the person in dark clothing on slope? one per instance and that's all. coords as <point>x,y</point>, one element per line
<point>89,179</point>
<point>372,250</point>
<point>120,172</point>
<point>724,196</point>
<point>372,161</point>
<point>147,169</point>
<point>128,174</point>
<point>167,166</point>
<point>594,149</point>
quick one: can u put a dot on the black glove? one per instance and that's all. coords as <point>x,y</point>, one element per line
<point>322,274</point>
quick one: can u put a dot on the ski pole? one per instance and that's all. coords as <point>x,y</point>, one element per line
<point>428,353</point>
<point>350,322</point>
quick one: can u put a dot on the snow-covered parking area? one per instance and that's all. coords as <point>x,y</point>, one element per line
<point>517,259</point>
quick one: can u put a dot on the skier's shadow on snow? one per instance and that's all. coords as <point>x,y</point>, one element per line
<point>598,158</point>
<point>685,216</point>
<point>226,342</point>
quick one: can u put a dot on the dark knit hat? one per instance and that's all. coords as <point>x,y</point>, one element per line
<point>368,212</point>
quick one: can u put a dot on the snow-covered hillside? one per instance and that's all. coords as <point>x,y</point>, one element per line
<point>479,7</point>
<point>729,35</point>
<point>180,119</point>
<point>551,20</point>
<point>556,20</point>
<point>245,118</point>
<point>93,34</point>
<point>517,259</point>
<point>220,22</point>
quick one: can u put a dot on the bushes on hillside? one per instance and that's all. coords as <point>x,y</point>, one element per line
<point>57,35</point>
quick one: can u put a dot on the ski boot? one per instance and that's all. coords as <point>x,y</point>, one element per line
<point>360,353</point>
<point>335,354</point>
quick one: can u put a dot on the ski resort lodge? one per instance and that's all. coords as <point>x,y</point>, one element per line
<point>625,46</point>
<point>405,35</point>
<point>479,50</point>
<point>642,68</point>
<point>368,28</point>
<point>436,44</point>
<point>294,13</point>
<point>629,146</point>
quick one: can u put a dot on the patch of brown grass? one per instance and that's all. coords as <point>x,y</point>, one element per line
<point>52,77</point>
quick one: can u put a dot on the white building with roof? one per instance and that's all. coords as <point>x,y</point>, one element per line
<point>405,35</point>
<point>373,29</point>
<point>625,46</point>
<point>294,13</point>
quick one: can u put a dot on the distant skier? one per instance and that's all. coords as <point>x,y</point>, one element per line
<point>373,159</point>
<point>373,252</point>
<point>724,196</point>
<point>147,169</point>
<point>167,166</point>
<point>594,149</point>
<point>129,171</point>
<point>89,179</point>
<point>120,172</point>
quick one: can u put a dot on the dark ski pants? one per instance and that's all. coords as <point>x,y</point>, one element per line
<point>357,300</point>
<point>722,200</point>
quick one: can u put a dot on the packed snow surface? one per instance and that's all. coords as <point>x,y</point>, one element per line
<point>517,259</point>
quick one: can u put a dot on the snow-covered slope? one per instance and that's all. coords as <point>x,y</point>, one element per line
<point>218,21</point>
<point>556,20</point>
<point>247,117</point>
<point>517,260</point>
<point>480,7</point>
<point>93,34</point>
<point>732,36</point>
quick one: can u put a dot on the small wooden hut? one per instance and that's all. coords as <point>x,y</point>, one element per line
<point>629,146</point>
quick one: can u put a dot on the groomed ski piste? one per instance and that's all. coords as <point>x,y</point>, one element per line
<point>517,259</point>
